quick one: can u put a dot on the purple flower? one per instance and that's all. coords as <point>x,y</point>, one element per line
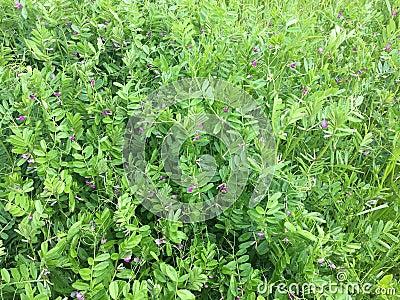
<point>53,75</point>
<point>25,156</point>
<point>87,182</point>
<point>394,13</point>
<point>174,196</point>
<point>210,276</point>
<point>92,82</point>
<point>332,266</point>
<point>293,65</point>
<point>288,213</point>
<point>337,80</point>
<point>115,45</point>
<point>136,259</point>
<point>140,129</point>
<point>56,94</point>
<point>223,189</point>
<point>373,202</point>
<point>67,11</point>
<point>260,234</point>
<point>324,124</point>
<point>21,118</point>
<point>365,153</point>
<point>198,137</point>
<point>80,296</point>
<point>159,241</point>
<point>320,260</point>
<point>304,91</point>
<point>290,296</point>
<point>340,14</point>
<point>106,23</point>
<point>200,125</point>
<point>270,24</point>
<point>190,47</point>
<point>190,189</point>
<point>387,47</point>
<point>30,217</point>
<point>320,50</point>
<point>106,112</point>
<point>72,138</point>
<point>286,240</point>
<point>255,49</point>
<point>103,240</point>
<point>32,96</point>
<point>127,259</point>
<point>225,110</point>
<point>161,177</point>
<point>68,24</point>
<point>93,186</point>
<point>205,286</point>
<point>355,49</point>
<point>75,32</point>
<point>172,42</point>
<point>18,5</point>
<point>254,63</point>
<point>202,31</point>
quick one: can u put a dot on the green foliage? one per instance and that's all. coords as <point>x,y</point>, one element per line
<point>69,219</point>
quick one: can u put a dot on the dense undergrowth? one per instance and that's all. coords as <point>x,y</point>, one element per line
<point>327,76</point>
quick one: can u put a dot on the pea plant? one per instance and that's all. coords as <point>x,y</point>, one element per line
<point>74,220</point>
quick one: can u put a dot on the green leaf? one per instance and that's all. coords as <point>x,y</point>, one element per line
<point>57,251</point>
<point>101,266</point>
<point>102,257</point>
<point>74,229</point>
<point>262,248</point>
<point>185,295</point>
<point>171,273</point>
<point>24,13</point>
<point>290,226</point>
<point>85,273</point>
<point>5,275</point>
<point>114,289</point>
<point>385,281</point>
<point>80,286</point>
<point>307,235</point>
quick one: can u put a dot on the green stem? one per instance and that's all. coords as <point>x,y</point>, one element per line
<point>8,154</point>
